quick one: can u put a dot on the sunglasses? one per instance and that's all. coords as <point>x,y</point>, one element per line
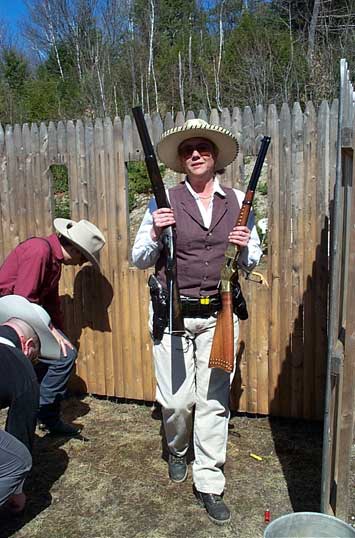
<point>203,148</point>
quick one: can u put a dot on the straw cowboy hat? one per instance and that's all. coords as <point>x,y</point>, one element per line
<point>15,306</point>
<point>224,140</point>
<point>84,235</point>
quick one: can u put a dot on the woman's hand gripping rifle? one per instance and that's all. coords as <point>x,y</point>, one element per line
<point>222,352</point>
<point>175,317</point>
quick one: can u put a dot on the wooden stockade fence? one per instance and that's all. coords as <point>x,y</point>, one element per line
<point>340,387</point>
<point>282,356</point>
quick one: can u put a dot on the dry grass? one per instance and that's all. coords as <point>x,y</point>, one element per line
<point>115,485</point>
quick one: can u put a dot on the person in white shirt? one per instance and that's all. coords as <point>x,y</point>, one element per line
<point>204,214</point>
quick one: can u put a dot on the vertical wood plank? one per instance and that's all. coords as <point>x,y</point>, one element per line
<point>309,253</point>
<point>157,128</point>
<point>145,342</point>
<point>226,122</point>
<point>168,121</point>
<point>285,261</point>
<point>13,231</point>
<point>252,353</point>
<point>237,166</point>
<point>121,294</point>
<point>348,374</point>
<point>214,117</point>
<point>52,143</point>
<point>29,180</point>
<point>321,283</point>
<point>135,379</point>
<point>128,139</point>
<point>190,115</point>
<point>262,347</point>
<point>20,187</point>
<point>180,119</point>
<point>260,126</point>
<point>248,131</point>
<point>46,179</point>
<point>89,288</point>
<point>103,366</point>
<point>297,215</point>
<point>5,202</point>
<point>274,252</point>
<point>203,115</point>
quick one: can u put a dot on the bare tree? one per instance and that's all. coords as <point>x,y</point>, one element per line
<point>151,71</point>
<point>181,85</point>
<point>43,29</point>
<point>217,65</point>
<point>312,31</point>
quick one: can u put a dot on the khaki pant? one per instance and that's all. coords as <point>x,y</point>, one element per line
<point>184,381</point>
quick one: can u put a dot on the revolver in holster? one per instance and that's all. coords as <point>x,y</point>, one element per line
<point>239,304</point>
<point>159,298</point>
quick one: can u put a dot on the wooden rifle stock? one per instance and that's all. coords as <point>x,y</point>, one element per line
<point>176,320</point>
<point>222,352</point>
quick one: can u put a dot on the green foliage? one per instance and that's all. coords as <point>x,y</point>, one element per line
<point>40,100</point>
<point>97,58</point>
<point>138,182</point>
<point>60,185</point>
<point>14,70</point>
<point>60,178</point>
<point>262,188</point>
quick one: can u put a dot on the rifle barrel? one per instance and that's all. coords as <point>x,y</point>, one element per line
<point>265,142</point>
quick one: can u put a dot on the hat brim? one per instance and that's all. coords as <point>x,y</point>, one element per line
<point>61,225</point>
<point>225,142</point>
<point>16,306</point>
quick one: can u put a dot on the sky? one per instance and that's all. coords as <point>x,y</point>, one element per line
<point>11,12</point>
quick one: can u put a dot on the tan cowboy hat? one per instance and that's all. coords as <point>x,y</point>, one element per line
<point>15,306</point>
<point>84,235</point>
<point>224,140</point>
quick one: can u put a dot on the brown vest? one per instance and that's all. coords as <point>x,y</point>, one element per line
<point>199,250</point>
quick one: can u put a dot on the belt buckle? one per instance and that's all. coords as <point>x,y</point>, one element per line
<point>205,300</point>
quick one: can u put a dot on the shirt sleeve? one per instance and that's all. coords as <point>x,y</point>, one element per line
<point>146,252</point>
<point>250,255</point>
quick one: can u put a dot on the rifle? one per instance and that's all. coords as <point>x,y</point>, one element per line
<point>222,352</point>
<point>175,317</point>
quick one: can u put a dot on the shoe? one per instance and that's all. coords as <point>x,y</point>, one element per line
<point>60,428</point>
<point>177,468</point>
<point>217,510</point>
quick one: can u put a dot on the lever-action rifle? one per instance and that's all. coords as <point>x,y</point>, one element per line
<point>175,319</point>
<point>222,352</point>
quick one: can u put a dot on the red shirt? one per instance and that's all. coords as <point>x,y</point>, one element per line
<point>33,270</point>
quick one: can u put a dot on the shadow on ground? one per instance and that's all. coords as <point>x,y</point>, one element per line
<point>115,485</point>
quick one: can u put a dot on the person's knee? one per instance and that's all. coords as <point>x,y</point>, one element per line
<point>177,408</point>
<point>16,454</point>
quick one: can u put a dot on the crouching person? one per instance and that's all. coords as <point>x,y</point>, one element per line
<point>33,270</point>
<point>26,333</point>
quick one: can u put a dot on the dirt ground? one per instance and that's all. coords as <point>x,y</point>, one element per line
<point>113,482</point>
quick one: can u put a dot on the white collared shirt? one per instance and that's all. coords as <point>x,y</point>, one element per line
<point>145,252</point>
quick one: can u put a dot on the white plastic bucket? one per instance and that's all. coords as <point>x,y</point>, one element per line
<point>308,525</point>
